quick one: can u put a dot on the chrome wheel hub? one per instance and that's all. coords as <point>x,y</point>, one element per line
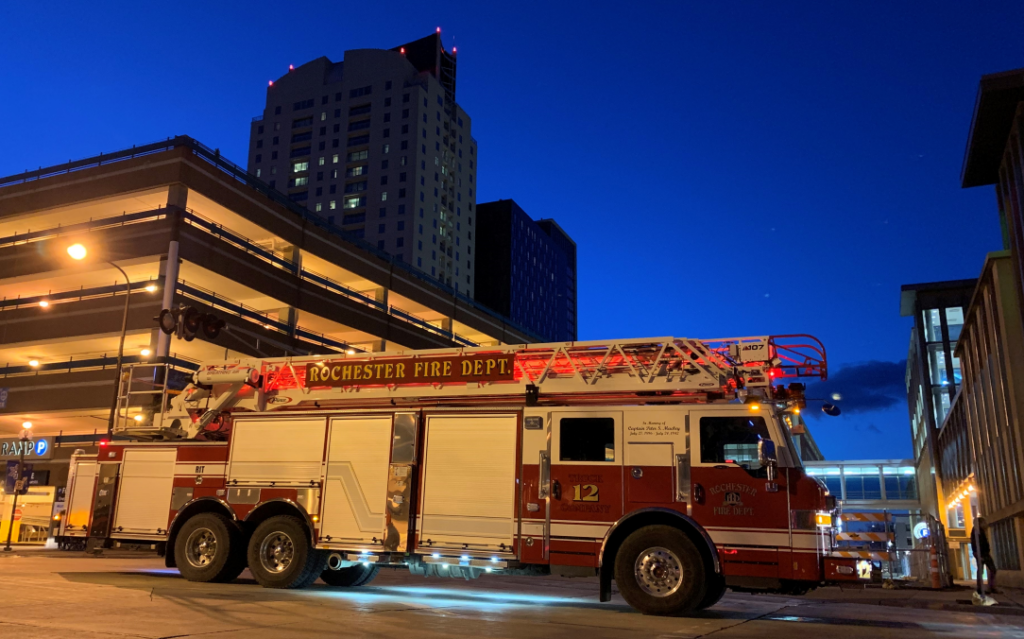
<point>658,572</point>
<point>277,552</point>
<point>201,548</point>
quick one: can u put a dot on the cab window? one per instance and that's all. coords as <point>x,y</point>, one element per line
<point>732,440</point>
<point>590,439</point>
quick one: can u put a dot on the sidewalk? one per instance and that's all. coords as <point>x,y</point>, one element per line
<point>955,598</point>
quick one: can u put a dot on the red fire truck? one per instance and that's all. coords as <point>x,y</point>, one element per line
<point>660,464</point>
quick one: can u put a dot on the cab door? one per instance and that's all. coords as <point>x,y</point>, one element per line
<point>586,490</point>
<point>746,515</point>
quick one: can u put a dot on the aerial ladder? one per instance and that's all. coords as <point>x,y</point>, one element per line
<point>663,369</point>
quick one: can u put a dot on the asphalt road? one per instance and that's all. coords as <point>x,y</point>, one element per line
<point>69,595</point>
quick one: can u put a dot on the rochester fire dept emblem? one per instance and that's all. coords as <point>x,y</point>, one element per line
<point>732,498</point>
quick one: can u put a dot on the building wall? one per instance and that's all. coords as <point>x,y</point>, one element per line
<point>377,145</point>
<point>568,301</point>
<point>980,442</point>
<point>1010,193</point>
<point>527,270</point>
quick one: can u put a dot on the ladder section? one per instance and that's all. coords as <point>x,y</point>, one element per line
<point>664,365</point>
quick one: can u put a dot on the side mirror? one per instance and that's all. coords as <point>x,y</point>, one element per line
<point>766,455</point>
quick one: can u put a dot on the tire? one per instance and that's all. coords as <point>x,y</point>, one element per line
<point>280,555</point>
<point>660,572</point>
<point>713,593</point>
<point>209,548</point>
<point>358,575</point>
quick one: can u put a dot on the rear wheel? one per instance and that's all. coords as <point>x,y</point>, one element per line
<point>358,575</point>
<point>280,555</point>
<point>660,572</point>
<point>209,547</point>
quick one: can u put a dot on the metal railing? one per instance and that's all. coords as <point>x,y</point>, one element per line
<point>74,295</point>
<point>237,173</point>
<point>257,316</point>
<point>87,227</point>
<point>101,362</point>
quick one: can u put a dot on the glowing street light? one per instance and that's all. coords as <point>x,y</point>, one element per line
<point>33,363</point>
<point>26,425</point>
<point>77,252</point>
<point>44,303</point>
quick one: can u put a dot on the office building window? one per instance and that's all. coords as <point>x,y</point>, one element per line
<point>400,242</point>
<point>380,228</point>
<point>384,196</point>
<point>355,156</point>
<point>355,93</point>
<point>333,204</point>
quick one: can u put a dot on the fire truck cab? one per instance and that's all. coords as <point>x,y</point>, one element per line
<point>659,464</point>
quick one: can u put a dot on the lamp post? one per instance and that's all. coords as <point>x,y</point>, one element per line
<point>78,252</point>
<point>26,427</point>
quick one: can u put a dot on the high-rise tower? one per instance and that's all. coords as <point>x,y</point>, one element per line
<point>377,145</point>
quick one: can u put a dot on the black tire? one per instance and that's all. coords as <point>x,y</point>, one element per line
<point>280,555</point>
<point>358,575</point>
<point>195,558</point>
<point>713,592</point>
<point>670,566</point>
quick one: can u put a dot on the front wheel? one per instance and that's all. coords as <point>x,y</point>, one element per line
<point>280,555</point>
<point>358,575</point>
<point>660,572</point>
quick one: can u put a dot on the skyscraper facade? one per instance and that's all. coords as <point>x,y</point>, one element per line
<point>377,145</point>
<point>528,270</point>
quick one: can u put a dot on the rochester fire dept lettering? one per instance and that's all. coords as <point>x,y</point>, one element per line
<point>463,368</point>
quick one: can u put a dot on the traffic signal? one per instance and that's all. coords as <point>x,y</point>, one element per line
<point>185,322</point>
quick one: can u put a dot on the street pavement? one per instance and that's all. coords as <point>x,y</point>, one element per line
<point>73,595</point>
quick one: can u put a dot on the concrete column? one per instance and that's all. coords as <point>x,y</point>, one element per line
<point>446,324</point>
<point>379,346</point>
<point>177,195</point>
<point>289,316</point>
<point>169,277</point>
<point>293,254</point>
<point>381,295</point>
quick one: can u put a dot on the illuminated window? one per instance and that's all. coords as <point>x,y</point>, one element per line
<point>298,167</point>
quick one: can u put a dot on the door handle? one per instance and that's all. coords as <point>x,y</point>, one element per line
<point>556,489</point>
<point>698,493</point>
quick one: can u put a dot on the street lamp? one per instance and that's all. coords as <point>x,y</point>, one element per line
<point>26,429</point>
<point>78,252</point>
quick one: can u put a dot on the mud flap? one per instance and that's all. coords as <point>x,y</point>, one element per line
<point>606,584</point>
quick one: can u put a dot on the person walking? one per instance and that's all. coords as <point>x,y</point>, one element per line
<point>983,554</point>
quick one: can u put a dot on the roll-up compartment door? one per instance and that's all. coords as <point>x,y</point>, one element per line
<point>76,523</point>
<point>355,485</point>
<point>283,451</point>
<point>144,496</point>
<point>469,483</point>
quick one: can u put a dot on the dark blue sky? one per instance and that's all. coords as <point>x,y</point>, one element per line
<point>725,169</point>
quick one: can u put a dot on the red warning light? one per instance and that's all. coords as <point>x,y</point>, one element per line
<point>291,67</point>
<point>103,443</point>
<point>439,29</point>
<point>271,83</point>
<point>454,50</point>
<point>402,50</point>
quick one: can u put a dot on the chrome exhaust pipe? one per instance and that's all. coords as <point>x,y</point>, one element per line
<point>334,560</point>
